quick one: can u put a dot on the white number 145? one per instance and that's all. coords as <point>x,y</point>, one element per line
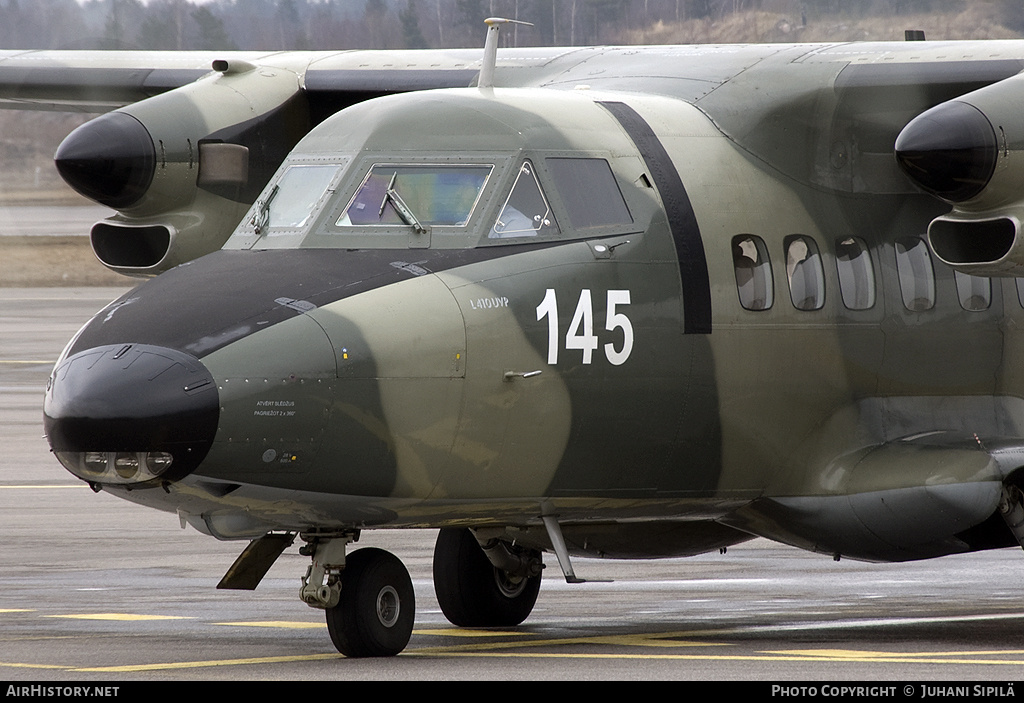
<point>581,330</point>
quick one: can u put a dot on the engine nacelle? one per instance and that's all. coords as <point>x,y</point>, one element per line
<point>970,152</point>
<point>182,168</point>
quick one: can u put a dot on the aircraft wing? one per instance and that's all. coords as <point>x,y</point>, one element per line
<point>99,81</point>
<point>823,115</point>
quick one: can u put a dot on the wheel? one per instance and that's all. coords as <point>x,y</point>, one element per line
<point>471,591</point>
<point>375,615</point>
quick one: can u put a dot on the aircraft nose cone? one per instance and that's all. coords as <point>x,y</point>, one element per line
<point>949,150</point>
<point>131,413</point>
<point>110,159</point>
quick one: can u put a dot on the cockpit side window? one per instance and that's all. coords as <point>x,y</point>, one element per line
<point>589,192</point>
<point>526,212</point>
<point>428,194</point>
<point>295,199</point>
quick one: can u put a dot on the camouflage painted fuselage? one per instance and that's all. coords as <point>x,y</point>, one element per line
<point>604,364</point>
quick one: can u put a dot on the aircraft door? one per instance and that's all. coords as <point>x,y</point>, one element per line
<point>516,411</point>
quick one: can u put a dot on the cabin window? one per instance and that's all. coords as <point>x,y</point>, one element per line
<point>856,274</point>
<point>974,292</point>
<point>411,194</point>
<point>806,276</point>
<point>293,201</point>
<point>917,277</point>
<point>589,192</point>
<point>526,212</point>
<point>753,272</point>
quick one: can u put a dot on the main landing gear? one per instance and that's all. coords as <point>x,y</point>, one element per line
<point>493,584</point>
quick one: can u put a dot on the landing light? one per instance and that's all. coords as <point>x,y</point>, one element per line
<point>116,467</point>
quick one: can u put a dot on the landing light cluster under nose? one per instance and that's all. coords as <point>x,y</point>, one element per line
<point>116,467</point>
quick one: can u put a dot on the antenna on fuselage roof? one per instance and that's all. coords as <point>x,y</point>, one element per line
<point>491,49</point>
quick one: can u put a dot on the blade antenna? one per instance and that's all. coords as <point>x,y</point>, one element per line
<point>491,49</point>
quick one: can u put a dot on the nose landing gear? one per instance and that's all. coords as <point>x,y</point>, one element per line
<point>367,596</point>
<point>375,615</point>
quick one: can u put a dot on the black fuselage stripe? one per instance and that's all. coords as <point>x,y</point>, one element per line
<point>223,296</point>
<point>693,265</point>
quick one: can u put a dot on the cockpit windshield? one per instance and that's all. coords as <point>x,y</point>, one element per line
<point>380,201</point>
<point>420,195</point>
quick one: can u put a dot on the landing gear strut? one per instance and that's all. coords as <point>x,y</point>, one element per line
<point>494,585</point>
<point>367,596</point>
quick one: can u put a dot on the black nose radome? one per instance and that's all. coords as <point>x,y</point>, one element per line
<point>131,413</point>
<point>110,159</point>
<point>949,150</point>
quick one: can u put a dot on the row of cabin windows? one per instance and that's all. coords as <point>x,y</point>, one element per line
<point>806,275</point>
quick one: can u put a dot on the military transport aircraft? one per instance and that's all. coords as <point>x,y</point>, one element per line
<point>624,302</point>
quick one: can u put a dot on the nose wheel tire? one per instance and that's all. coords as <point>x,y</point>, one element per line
<point>375,615</point>
<point>471,591</point>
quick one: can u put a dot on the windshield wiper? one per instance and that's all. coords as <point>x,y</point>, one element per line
<point>261,218</point>
<point>404,212</point>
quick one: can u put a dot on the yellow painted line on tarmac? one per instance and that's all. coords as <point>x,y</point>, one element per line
<point>491,648</point>
<point>21,665</point>
<point>675,639</point>
<point>17,610</point>
<point>54,485</point>
<point>285,624</point>
<point>659,639</point>
<point>515,650</point>
<point>453,652</point>
<point>899,658</point>
<point>764,657</point>
<point>457,650</point>
<point>446,632</point>
<point>129,617</point>
<point>985,652</point>
<point>856,655</point>
<point>208,663</point>
<point>458,632</point>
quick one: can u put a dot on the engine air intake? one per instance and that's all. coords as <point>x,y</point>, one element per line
<point>130,247</point>
<point>972,241</point>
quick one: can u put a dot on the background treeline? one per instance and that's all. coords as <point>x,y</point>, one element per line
<point>392,24</point>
